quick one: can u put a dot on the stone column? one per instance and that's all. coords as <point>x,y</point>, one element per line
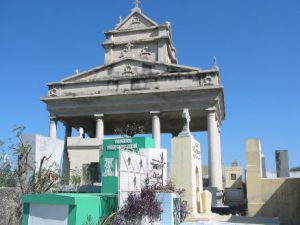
<point>99,133</point>
<point>66,160</point>
<point>156,128</point>
<point>53,127</point>
<point>214,151</point>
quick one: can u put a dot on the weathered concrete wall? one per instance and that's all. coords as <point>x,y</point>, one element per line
<point>277,197</point>
<point>8,205</point>
<point>83,151</point>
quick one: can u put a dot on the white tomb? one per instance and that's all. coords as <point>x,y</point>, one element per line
<point>135,167</point>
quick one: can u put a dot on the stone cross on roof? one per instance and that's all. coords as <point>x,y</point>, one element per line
<point>186,128</point>
<point>137,3</point>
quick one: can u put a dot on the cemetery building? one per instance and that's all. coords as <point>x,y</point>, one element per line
<point>233,176</point>
<point>141,81</point>
<point>234,187</point>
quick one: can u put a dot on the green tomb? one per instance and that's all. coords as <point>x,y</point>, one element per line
<point>67,209</point>
<point>110,156</point>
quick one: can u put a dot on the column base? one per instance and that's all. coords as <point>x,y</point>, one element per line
<point>200,216</point>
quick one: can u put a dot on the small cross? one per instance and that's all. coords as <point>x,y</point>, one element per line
<point>137,3</point>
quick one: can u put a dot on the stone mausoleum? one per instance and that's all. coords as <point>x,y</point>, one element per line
<point>141,81</point>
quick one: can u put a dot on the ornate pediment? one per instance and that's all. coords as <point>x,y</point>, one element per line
<point>128,68</point>
<point>136,20</point>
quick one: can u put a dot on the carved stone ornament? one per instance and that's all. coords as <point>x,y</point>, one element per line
<point>186,128</point>
<point>126,50</point>
<point>108,172</point>
<point>208,79</point>
<point>128,70</point>
<point>54,91</point>
<point>196,151</point>
<point>145,51</point>
<point>135,22</point>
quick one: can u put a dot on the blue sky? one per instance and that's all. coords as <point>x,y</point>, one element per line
<point>257,45</point>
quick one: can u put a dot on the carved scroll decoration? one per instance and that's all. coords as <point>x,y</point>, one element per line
<point>145,51</point>
<point>128,70</point>
<point>126,50</point>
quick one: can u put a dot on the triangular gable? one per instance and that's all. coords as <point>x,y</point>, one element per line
<point>128,68</point>
<point>136,20</point>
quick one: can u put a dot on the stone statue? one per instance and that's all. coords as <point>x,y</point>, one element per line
<point>186,128</point>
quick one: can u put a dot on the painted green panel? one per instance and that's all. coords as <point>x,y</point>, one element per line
<point>25,217</point>
<point>54,199</point>
<point>87,208</point>
<point>110,185</point>
<point>109,204</point>
<point>72,215</point>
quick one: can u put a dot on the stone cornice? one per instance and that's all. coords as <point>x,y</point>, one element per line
<point>135,30</point>
<point>140,76</point>
<point>134,92</point>
<point>108,44</point>
<point>100,68</point>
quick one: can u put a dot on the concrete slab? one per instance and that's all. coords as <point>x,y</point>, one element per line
<point>233,220</point>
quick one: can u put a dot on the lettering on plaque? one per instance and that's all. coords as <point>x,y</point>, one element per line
<point>128,147</point>
<point>123,141</point>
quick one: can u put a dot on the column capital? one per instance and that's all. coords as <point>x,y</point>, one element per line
<point>98,116</point>
<point>99,132</point>
<point>52,118</point>
<point>154,112</point>
<point>211,110</point>
<point>53,127</point>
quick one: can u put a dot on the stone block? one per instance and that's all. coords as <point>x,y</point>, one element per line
<point>186,171</point>
<point>206,201</point>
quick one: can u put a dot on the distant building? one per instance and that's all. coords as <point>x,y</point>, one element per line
<point>233,176</point>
